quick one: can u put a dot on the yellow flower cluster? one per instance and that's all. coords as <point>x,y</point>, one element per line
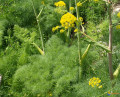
<point>72,8</point>
<point>68,20</point>
<point>118,14</point>
<point>94,82</point>
<point>79,4</point>
<point>118,27</point>
<point>55,28</point>
<point>60,4</point>
<point>96,0</point>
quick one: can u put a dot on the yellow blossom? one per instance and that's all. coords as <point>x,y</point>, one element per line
<point>79,4</point>
<point>97,84</point>
<point>67,20</point>
<point>60,4</point>
<point>76,30</point>
<point>118,14</point>
<point>83,23</point>
<point>61,31</point>
<point>118,27</point>
<point>94,82</point>
<point>80,19</point>
<point>55,28</point>
<point>100,86</point>
<point>73,25</point>
<point>72,8</point>
<point>96,0</point>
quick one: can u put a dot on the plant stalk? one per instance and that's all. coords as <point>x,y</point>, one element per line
<point>110,39</point>
<point>78,37</point>
<point>68,36</point>
<point>69,5</point>
<point>41,37</point>
<point>78,34</point>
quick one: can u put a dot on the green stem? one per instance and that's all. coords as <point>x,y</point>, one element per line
<point>84,1</point>
<point>78,37</point>
<point>78,34</point>
<point>69,5</point>
<point>110,39</point>
<point>96,43</point>
<point>38,25</point>
<point>39,13</point>
<point>68,36</point>
<point>40,51</point>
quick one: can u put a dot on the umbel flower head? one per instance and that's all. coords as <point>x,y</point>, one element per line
<point>95,82</point>
<point>60,4</point>
<point>68,20</point>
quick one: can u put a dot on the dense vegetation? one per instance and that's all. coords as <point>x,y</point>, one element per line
<point>58,48</point>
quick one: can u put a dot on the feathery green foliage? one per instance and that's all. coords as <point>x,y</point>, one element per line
<point>57,74</point>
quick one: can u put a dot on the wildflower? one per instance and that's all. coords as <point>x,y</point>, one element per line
<point>79,4</point>
<point>76,30</point>
<point>96,0</point>
<point>60,4</point>
<point>118,14</point>
<point>118,27</point>
<point>55,28</point>
<point>61,31</point>
<point>67,20</point>
<point>94,82</point>
<point>73,25</point>
<point>80,19</point>
<point>100,86</point>
<point>83,23</point>
<point>72,8</point>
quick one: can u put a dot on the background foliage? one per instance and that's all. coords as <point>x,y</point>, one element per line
<point>26,73</point>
